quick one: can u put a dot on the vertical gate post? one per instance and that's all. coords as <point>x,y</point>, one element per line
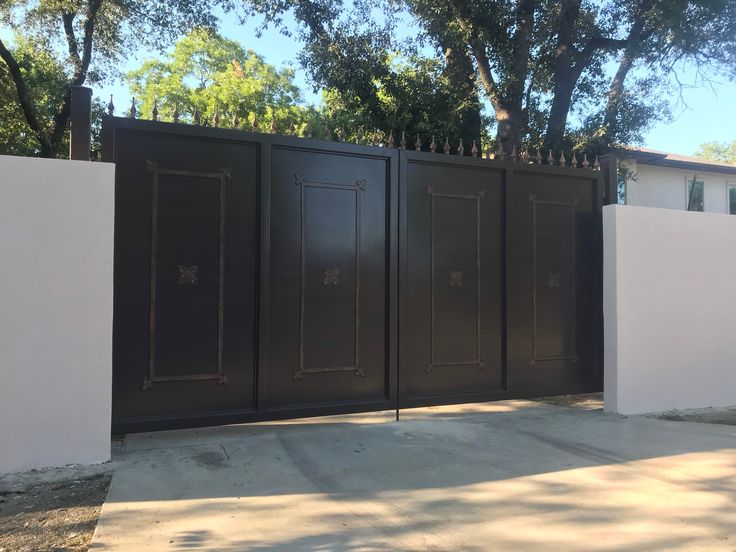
<point>609,168</point>
<point>80,123</point>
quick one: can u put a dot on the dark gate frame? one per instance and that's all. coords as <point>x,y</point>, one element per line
<point>509,170</point>
<point>265,142</point>
<point>396,278</point>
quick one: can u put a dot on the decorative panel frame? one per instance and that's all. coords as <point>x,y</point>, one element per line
<point>331,276</point>
<point>455,280</point>
<point>553,281</point>
<point>187,275</point>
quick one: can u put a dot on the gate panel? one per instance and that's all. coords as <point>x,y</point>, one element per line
<point>328,300</point>
<point>185,265</point>
<point>498,269</point>
<point>452,278</point>
<point>553,344</point>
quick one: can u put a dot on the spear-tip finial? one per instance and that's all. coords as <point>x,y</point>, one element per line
<point>418,144</point>
<point>597,164</point>
<point>550,158</point>
<point>391,141</point>
<point>175,114</point>
<point>111,107</point>
<point>586,163</point>
<point>133,110</point>
<point>446,147</point>
<point>433,146</point>
<point>474,149</point>
<point>154,111</point>
<point>402,144</point>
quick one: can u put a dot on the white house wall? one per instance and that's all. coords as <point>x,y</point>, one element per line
<point>664,187</point>
<point>56,254</point>
<point>669,309</point>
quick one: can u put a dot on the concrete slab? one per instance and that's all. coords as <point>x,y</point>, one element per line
<point>515,475</point>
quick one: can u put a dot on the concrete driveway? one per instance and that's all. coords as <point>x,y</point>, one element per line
<point>515,475</point>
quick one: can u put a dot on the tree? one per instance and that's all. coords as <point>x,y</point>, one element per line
<point>87,38</point>
<point>207,78</point>
<point>663,33</point>
<point>724,152</point>
<point>414,97</point>
<point>540,64</point>
<point>374,82</point>
<point>44,77</point>
<point>556,50</point>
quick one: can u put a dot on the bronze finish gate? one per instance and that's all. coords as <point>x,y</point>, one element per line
<point>261,276</point>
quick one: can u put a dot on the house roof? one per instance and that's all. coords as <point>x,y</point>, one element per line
<point>675,160</point>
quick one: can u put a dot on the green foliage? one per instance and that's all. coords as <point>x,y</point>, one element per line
<point>718,151</point>
<point>77,42</point>
<point>119,26</point>
<point>414,95</point>
<point>210,76</point>
<point>528,56</point>
<point>46,79</point>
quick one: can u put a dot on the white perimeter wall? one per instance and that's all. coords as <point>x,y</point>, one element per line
<point>654,186</point>
<point>56,255</point>
<point>669,309</point>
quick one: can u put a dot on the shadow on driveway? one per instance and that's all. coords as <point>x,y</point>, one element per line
<point>494,476</point>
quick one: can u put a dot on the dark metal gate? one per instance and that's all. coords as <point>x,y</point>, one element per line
<point>500,280</point>
<point>261,276</point>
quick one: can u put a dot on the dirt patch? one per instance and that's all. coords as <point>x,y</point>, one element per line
<point>586,401</point>
<point>51,510</point>
<point>726,416</point>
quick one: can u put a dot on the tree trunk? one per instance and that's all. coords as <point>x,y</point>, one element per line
<point>561,101</point>
<point>460,70</point>
<point>564,76</point>
<point>637,34</point>
<point>615,98</point>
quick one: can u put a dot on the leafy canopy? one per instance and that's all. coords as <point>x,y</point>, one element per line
<point>76,42</point>
<point>207,76</point>
<point>718,151</point>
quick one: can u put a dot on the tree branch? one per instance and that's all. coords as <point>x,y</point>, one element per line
<point>484,71</point>
<point>24,98</point>
<point>71,39</point>
<point>61,117</point>
<point>479,51</point>
<point>89,28</point>
<point>595,44</point>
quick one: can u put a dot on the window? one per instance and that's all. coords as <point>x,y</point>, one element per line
<point>732,199</point>
<point>695,195</point>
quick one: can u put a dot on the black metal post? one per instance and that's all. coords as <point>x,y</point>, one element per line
<point>80,123</point>
<point>609,168</point>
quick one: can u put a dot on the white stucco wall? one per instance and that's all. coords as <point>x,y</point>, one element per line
<point>669,309</point>
<point>56,256</point>
<point>655,186</point>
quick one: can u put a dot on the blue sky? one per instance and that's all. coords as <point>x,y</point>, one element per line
<point>703,115</point>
